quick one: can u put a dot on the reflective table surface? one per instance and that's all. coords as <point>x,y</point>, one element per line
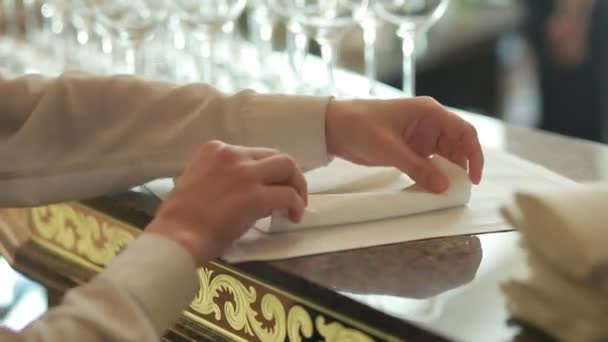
<point>451,285</point>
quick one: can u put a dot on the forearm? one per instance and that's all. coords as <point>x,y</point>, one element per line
<point>80,135</point>
<point>130,301</point>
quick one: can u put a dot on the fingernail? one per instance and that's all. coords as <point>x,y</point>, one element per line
<point>438,182</point>
<point>474,180</point>
<point>294,217</point>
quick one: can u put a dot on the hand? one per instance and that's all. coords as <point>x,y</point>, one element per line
<point>403,133</point>
<point>223,192</point>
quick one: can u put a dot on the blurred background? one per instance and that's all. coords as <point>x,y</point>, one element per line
<point>538,63</point>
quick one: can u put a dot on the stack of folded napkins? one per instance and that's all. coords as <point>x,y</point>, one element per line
<point>565,234</point>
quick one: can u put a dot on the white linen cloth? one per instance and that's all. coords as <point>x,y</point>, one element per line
<point>503,175</point>
<point>565,235</point>
<point>361,194</point>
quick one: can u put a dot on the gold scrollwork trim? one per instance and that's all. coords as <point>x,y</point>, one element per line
<point>92,239</point>
<point>357,326</point>
<point>336,332</point>
<point>241,316</point>
<point>73,228</point>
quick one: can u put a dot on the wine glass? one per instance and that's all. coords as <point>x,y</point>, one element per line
<point>296,44</point>
<point>369,26</point>
<point>31,20</point>
<point>54,35</point>
<point>411,17</point>
<point>326,21</point>
<point>83,20</point>
<point>206,21</point>
<point>130,23</point>
<point>260,28</point>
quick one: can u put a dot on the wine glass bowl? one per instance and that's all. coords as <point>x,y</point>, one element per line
<point>130,20</point>
<point>206,21</point>
<point>326,21</point>
<point>129,23</point>
<point>422,14</point>
<point>199,15</point>
<point>411,17</point>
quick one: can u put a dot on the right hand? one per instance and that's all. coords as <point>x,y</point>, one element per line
<point>223,192</point>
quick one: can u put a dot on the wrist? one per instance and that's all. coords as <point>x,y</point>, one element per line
<point>330,134</point>
<point>337,113</point>
<point>196,244</point>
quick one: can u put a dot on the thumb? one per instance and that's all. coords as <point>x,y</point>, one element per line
<point>420,169</point>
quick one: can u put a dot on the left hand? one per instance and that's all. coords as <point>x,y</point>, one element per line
<point>403,133</point>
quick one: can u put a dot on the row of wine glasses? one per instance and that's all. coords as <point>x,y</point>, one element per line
<point>199,40</point>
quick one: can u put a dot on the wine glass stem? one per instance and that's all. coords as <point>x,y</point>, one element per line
<point>31,18</point>
<point>234,71</point>
<point>206,62</point>
<point>134,67</point>
<point>83,36</point>
<point>408,37</point>
<point>260,28</point>
<point>329,51</point>
<point>369,54</point>
<point>297,45</point>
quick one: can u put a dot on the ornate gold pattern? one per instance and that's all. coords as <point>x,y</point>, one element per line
<point>92,239</point>
<point>241,315</point>
<point>72,228</point>
<point>336,332</point>
<point>298,321</point>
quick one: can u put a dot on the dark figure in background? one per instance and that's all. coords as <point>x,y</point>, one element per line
<point>571,42</point>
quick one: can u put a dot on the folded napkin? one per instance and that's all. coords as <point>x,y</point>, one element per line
<point>566,236</point>
<point>348,193</point>
<point>503,174</point>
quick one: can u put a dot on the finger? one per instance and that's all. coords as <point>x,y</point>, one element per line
<point>420,169</point>
<point>284,199</point>
<point>460,160</point>
<point>445,146</point>
<point>450,135</point>
<point>465,145</point>
<point>257,153</point>
<point>470,147</point>
<point>454,153</point>
<point>281,169</point>
<point>424,140</point>
<point>475,157</point>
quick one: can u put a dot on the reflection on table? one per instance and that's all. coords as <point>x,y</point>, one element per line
<point>426,269</point>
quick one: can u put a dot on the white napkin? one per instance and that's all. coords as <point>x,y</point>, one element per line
<point>566,237</point>
<point>566,228</point>
<point>362,194</point>
<point>503,175</point>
